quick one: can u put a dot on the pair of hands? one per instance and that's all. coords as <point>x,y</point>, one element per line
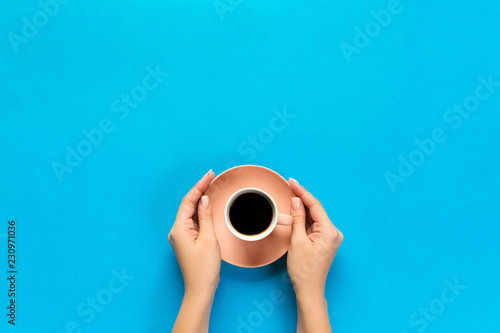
<point>315,241</point>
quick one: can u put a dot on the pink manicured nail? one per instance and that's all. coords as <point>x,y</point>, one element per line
<point>205,201</point>
<point>293,180</point>
<point>296,203</point>
<point>209,172</point>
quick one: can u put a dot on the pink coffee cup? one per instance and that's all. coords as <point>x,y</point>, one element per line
<point>277,219</point>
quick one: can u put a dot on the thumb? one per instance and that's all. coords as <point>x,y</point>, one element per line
<point>298,213</point>
<point>205,218</point>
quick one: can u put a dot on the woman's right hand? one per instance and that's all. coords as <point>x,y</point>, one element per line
<point>315,241</point>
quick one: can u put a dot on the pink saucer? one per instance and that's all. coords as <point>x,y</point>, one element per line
<point>234,250</point>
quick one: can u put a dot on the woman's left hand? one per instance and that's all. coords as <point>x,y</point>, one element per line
<point>194,242</point>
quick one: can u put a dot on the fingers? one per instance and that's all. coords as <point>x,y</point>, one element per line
<point>187,208</point>
<point>318,213</point>
<point>205,217</point>
<point>298,213</point>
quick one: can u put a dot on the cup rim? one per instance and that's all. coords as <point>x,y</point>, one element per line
<point>262,234</point>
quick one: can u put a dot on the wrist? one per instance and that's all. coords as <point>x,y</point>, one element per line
<point>199,304</point>
<point>312,314</point>
<point>203,290</point>
<point>202,296</point>
<point>309,295</point>
<point>194,314</point>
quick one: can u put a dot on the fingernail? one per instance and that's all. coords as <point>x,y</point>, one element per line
<point>209,172</point>
<point>205,201</point>
<point>296,203</point>
<point>293,180</point>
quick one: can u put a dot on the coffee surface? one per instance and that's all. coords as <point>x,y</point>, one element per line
<point>251,214</point>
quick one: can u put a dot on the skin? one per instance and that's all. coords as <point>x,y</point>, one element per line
<point>193,239</point>
<point>315,241</point>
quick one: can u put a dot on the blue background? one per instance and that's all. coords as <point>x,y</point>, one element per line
<point>228,71</point>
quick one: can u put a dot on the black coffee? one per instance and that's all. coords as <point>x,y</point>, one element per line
<point>250,214</point>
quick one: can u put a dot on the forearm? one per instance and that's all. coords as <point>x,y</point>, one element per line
<point>194,314</point>
<point>312,314</point>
